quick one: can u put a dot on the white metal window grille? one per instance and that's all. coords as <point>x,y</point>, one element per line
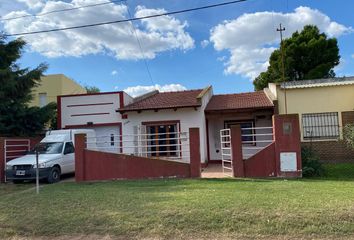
<point>259,138</point>
<point>320,126</point>
<point>172,146</point>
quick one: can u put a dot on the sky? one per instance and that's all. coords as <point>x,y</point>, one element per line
<point>226,47</point>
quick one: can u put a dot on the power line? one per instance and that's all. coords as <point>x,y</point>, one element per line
<point>126,20</point>
<point>61,10</point>
<point>141,49</point>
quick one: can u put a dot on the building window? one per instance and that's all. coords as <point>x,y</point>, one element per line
<point>162,140</point>
<point>320,126</point>
<point>247,130</point>
<point>42,99</point>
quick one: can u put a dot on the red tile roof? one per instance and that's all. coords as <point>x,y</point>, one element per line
<point>166,100</point>
<point>239,101</point>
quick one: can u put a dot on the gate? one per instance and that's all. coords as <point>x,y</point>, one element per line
<point>14,148</point>
<point>226,153</point>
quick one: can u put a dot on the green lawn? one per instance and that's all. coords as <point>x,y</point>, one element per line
<point>181,209</point>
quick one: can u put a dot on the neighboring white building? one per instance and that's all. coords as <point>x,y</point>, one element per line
<point>158,116</point>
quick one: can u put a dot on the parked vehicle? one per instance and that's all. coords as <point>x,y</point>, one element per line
<point>56,157</point>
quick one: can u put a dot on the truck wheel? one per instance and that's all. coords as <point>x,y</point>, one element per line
<point>17,181</point>
<point>54,175</point>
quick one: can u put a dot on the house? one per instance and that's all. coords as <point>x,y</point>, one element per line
<point>54,85</point>
<point>324,107</point>
<point>164,116</point>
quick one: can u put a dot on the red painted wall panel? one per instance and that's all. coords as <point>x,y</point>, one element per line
<point>262,164</point>
<point>106,166</point>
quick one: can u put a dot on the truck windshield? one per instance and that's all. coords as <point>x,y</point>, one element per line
<point>48,148</point>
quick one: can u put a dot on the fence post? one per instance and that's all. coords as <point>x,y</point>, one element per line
<point>236,148</point>
<point>287,145</point>
<point>80,145</point>
<point>2,160</point>
<point>194,151</point>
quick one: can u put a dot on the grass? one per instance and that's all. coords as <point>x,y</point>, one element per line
<point>181,209</point>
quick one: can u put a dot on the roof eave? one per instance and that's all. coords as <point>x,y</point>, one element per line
<point>122,111</point>
<point>237,109</point>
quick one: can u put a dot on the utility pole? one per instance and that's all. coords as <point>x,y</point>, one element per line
<point>281,29</point>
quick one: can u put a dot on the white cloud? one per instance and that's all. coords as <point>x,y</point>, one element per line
<point>33,4</point>
<point>352,55</point>
<point>221,59</point>
<point>156,34</point>
<point>204,43</point>
<point>139,90</point>
<point>251,38</point>
<point>114,72</point>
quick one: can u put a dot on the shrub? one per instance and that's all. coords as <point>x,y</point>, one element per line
<point>348,133</point>
<point>311,166</point>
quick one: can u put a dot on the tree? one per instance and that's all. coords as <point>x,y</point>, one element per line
<point>307,55</point>
<point>92,89</point>
<point>16,117</point>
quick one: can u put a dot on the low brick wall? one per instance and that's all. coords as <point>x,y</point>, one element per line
<point>108,166</point>
<point>331,151</point>
<point>262,164</point>
<point>267,162</point>
<point>334,151</point>
<point>96,165</point>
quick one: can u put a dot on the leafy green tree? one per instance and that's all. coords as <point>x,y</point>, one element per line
<point>307,55</point>
<point>92,89</point>
<point>16,83</point>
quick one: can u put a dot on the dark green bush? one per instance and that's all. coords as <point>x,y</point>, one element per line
<point>311,166</point>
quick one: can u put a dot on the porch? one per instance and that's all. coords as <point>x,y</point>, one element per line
<point>252,112</point>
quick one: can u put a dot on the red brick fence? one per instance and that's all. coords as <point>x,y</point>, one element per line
<point>93,165</point>
<point>282,158</point>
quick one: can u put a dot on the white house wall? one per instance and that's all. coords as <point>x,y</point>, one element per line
<point>97,108</point>
<point>188,117</point>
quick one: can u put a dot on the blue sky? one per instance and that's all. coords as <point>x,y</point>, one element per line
<point>224,47</point>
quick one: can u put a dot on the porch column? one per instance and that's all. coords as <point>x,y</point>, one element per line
<point>80,146</point>
<point>236,148</point>
<point>194,151</point>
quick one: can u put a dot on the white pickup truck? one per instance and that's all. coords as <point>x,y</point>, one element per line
<point>56,157</point>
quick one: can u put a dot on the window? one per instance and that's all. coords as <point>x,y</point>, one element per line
<point>162,140</point>
<point>69,148</point>
<point>42,99</point>
<point>320,126</point>
<point>247,130</point>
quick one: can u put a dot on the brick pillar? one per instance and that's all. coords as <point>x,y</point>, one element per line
<point>194,148</point>
<point>80,146</point>
<point>236,148</point>
<point>2,160</point>
<point>286,132</point>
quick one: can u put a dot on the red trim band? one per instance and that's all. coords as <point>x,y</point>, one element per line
<point>90,94</point>
<point>94,125</point>
<point>161,122</point>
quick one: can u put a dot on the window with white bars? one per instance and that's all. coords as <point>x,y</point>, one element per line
<point>320,126</point>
